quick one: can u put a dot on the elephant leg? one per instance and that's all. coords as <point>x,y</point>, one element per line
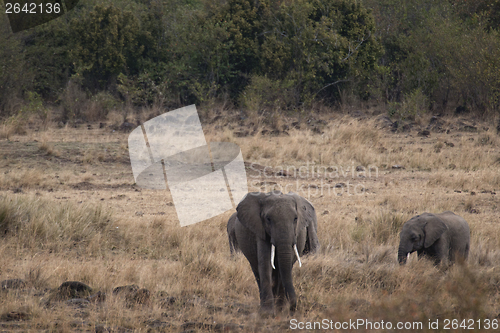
<point>278,289</point>
<point>442,251</point>
<point>436,253</point>
<point>265,275</point>
<point>248,244</point>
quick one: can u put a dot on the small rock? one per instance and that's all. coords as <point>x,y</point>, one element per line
<point>360,168</point>
<point>156,323</point>
<point>317,130</point>
<point>282,173</point>
<point>397,166</point>
<point>168,301</point>
<point>141,296</point>
<point>139,213</point>
<point>326,212</point>
<point>433,120</point>
<point>98,297</point>
<point>461,109</point>
<point>452,166</point>
<point>128,289</point>
<point>472,193</point>
<point>241,134</point>
<point>15,316</point>
<point>126,126</point>
<point>449,144</point>
<point>78,302</point>
<point>74,289</point>
<point>339,185</point>
<point>384,121</point>
<point>13,284</point>
<point>394,126</point>
<point>424,133</point>
<point>17,190</point>
<point>469,128</point>
<point>406,128</point>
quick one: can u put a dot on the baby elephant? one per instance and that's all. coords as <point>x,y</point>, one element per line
<point>440,237</point>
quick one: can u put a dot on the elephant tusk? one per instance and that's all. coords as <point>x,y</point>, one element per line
<point>297,254</point>
<point>272,255</point>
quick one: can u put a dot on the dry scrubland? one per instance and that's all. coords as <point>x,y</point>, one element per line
<point>69,211</point>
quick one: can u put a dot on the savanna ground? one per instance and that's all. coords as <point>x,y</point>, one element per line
<point>70,211</point>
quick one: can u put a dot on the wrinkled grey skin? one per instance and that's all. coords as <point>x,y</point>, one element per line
<point>275,218</point>
<point>441,237</point>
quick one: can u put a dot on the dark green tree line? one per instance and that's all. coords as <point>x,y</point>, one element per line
<point>271,54</point>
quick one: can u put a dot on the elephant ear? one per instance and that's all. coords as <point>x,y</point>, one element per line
<point>248,213</point>
<point>307,219</point>
<point>434,228</point>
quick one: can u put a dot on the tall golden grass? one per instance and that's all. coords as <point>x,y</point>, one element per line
<point>109,236</point>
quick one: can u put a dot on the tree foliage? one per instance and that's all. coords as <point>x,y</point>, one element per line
<point>106,45</point>
<point>271,54</point>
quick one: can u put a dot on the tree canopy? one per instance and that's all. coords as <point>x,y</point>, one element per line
<point>264,54</point>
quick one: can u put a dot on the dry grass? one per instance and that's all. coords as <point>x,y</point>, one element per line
<point>6,131</point>
<point>81,219</point>
<point>22,178</point>
<point>38,224</point>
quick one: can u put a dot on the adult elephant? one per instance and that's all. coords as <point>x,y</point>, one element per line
<point>440,237</point>
<point>273,230</point>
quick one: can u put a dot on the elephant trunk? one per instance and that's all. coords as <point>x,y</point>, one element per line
<point>402,255</point>
<point>286,258</point>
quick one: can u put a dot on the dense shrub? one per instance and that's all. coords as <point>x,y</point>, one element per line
<point>174,52</point>
<point>106,45</point>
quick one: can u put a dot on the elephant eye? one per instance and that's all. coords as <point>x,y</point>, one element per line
<point>268,219</point>
<point>295,219</point>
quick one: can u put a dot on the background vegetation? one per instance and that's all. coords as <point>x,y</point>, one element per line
<point>411,55</point>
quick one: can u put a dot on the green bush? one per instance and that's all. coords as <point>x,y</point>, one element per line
<point>414,104</point>
<point>441,49</point>
<point>13,69</point>
<point>319,45</point>
<point>105,45</point>
<point>264,93</point>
